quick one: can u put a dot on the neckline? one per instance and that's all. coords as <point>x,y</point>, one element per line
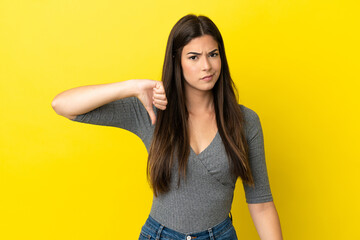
<point>205,149</point>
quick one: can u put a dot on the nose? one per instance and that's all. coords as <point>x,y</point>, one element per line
<point>206,65</point>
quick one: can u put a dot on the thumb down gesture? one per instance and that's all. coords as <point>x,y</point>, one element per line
<point>151,92</point>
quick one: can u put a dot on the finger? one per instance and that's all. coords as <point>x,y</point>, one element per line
<point>161,107</point>
<point>160,102</point>
<point>157,85</point>
<point>159,96</point>
<point>152,116</point>
<point>159,88</point>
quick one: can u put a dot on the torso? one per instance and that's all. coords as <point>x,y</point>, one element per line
<point>202,130</point>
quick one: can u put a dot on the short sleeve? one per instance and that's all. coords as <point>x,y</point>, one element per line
<point>261,192</point>
<point>126,113</point>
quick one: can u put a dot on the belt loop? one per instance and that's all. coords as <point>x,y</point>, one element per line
<point>159,232</point>
<point>230,216</point>
<point>211,234</point>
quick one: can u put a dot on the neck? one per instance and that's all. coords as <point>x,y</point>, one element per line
<point>199,102</point>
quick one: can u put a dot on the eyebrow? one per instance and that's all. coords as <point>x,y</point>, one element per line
<point>200,53</point>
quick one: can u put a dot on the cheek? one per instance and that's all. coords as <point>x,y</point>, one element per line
<point>218,68</point>
<point>188,70</point>
<point>218,64</point>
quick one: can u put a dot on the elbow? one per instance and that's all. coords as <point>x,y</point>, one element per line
<point>59,108</point>
<point>55,105</point>
<point>260,207</point>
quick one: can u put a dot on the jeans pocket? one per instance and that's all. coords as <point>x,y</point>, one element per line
<point>144,236</point>
<point>147,233</point>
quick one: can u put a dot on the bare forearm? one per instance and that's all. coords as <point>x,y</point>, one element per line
<point>266,221</point>
<point>83,99</point>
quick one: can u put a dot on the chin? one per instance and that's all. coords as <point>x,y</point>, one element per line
<point>208,87</point>
<point>201,85</point>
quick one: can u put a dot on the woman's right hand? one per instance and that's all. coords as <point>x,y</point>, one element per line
<point>151,92</point>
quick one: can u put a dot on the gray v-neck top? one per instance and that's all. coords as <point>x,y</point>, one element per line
<point>205,198</point>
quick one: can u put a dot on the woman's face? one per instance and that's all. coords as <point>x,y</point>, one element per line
<point>201,58</point>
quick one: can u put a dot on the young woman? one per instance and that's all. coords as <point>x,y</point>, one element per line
<point>199,139</point>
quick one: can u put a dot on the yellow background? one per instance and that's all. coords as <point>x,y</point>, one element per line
<point>296,63</point>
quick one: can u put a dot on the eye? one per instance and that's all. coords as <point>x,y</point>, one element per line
<point>192,57</point>
<point>214,54</point>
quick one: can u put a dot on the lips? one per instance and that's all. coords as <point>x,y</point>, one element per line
<point>208,76</point>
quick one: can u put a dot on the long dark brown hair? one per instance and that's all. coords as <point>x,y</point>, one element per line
<point>171,134</point>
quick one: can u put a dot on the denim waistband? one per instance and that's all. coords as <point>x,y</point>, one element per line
<point>160,230</point>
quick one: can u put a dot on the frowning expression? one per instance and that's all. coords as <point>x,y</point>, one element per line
<point>201,63</point>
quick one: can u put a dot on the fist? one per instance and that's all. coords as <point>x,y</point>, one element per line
<point>151,92</point>
<point>159,97</point>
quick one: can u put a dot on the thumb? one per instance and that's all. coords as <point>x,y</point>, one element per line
<point>152,115</point>
<point>157,85</point>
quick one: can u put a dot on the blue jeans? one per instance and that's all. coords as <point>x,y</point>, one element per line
<point>153,230</point>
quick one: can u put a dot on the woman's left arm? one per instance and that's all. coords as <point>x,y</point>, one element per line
<point>266,220</point>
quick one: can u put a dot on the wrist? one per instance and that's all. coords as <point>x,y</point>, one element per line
<point>125,89</point>
<point>133,86</point>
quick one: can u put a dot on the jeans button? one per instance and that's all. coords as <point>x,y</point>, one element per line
<point>188,238</point>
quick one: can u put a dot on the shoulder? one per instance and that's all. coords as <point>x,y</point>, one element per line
<point>249,114</point>
<point>252,122</point>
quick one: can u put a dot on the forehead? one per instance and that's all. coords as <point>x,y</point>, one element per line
<point>199,44</point>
